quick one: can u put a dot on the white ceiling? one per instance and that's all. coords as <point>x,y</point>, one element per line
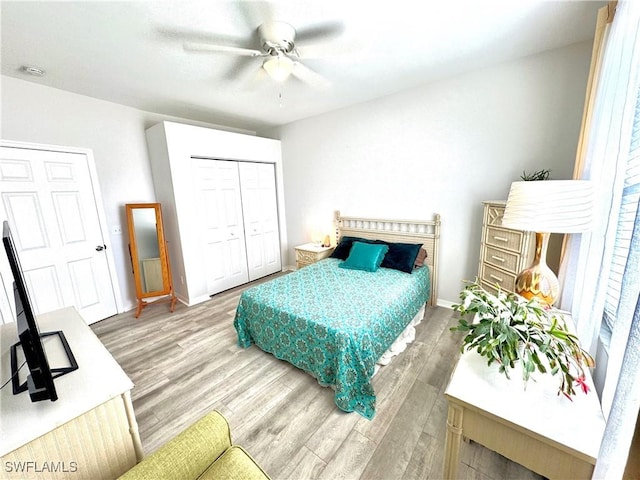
<point>131,52</point>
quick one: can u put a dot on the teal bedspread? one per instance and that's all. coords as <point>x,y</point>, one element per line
<point>333,323</point>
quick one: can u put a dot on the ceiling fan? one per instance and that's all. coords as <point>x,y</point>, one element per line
<point>278,48</point>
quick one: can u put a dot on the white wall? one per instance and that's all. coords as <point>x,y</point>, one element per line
<point>441,148</point>
<point>116,134</point>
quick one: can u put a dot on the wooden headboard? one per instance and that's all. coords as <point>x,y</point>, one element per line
<point>401,231</point>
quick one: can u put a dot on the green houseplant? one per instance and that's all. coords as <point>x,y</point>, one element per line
<point>536,176</point>
<point>507,328</point>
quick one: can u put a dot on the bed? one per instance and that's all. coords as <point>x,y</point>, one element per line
<point>337,323</point>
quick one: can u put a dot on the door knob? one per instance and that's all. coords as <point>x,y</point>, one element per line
<point>99,248</point>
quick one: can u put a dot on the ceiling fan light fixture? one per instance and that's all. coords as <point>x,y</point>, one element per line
<point>279,67</point>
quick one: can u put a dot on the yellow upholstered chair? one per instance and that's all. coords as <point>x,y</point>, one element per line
<point>202,451</point>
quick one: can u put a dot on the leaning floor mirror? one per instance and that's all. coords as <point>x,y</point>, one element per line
<point>149,255</point>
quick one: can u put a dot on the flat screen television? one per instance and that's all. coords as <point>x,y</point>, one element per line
<point>40,380</point>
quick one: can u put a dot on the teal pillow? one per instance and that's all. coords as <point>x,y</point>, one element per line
<point>365,256</point>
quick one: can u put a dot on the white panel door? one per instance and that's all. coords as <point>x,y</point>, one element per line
<point>222,231</point>
<point>260,210</point>
<point>49,201</point>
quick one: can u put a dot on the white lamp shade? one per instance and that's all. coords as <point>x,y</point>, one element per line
<point>550,206</point>
<point>278,67</point>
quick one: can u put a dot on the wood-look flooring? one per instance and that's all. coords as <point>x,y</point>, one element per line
<point>187,363</point>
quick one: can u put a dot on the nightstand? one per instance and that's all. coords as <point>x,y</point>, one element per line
<point>311,253</point>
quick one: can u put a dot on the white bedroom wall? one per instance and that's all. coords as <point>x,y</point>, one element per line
<point>442,148</point>
<point>116,134</point>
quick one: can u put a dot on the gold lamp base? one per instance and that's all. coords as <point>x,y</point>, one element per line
<point>539,280</point>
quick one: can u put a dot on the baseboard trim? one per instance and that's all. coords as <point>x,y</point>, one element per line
<point>445,303</point>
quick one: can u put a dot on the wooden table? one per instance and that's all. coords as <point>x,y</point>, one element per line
<point>89,432</point>
<point>536,428</point>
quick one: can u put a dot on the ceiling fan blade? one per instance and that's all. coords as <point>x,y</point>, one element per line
<point>320,50</point>
<point>320,31</point>
<point>205,47</point>
<point>337,48</point>
<point>307,75</point>
<point>240,68</point>
<point>189,35</point>
<point>254,13</point>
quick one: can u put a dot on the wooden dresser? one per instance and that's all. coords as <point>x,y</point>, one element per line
<point>504,252</point>
<point>90,432</point>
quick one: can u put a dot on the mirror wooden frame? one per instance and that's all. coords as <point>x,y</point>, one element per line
<point>165,293</point>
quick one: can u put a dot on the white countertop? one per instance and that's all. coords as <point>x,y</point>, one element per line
<point>98,379</point>
<point>313,247</point>
<point>577,425</point>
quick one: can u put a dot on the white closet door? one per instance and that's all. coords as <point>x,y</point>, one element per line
<point>50,204</point>
<point>260,209</point>
<point>222,231</point>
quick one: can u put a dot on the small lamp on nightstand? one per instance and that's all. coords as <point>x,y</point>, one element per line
<point>545,207</point>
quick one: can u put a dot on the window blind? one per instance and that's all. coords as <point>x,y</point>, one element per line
<point>626,219</point>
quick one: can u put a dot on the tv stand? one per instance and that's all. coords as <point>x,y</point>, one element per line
<point>55,371</point>
<point>90,431</point>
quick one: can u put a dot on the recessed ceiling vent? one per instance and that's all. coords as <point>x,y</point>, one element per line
<point>35,71</point>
